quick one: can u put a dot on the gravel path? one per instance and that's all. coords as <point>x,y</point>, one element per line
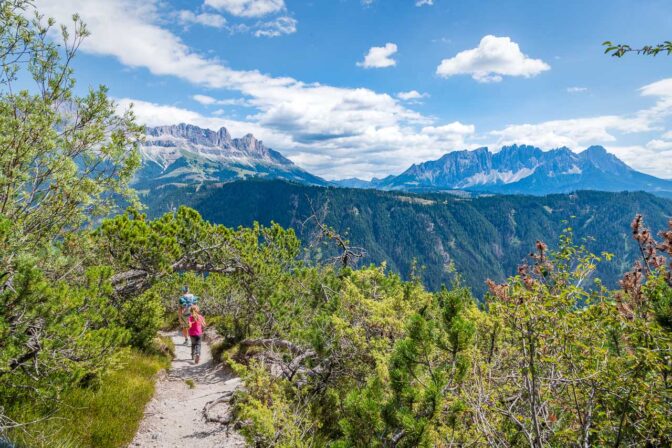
<point>173,418</point>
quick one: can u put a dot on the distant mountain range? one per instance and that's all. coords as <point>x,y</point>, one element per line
<point>521,170</point>
<point>184,154</point>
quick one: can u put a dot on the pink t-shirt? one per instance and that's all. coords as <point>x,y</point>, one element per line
<point>196,325</point>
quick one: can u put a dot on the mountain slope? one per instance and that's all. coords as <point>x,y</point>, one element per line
<point>485,237</point>
<point>526,170</point>
<point>188,155</point>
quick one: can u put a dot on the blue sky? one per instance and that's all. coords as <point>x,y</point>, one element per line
<point>367,87</point>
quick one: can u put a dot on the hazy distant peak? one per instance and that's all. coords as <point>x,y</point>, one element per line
<point>525,169</point>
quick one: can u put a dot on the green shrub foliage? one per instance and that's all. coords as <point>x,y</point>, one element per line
<point>552,358</point>
<point>64,161</point>
<point>143,316</point>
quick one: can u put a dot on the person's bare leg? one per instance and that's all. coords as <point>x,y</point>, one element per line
<point>197,358</point>
<point>180,321</point>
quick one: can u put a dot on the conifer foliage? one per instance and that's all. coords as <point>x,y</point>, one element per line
<point>552,359</point>
<point>64,159</point>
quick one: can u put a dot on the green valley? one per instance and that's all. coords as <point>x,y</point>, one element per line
<point>484,237</point>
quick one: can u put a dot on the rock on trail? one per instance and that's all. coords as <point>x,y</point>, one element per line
<point>174,416</point>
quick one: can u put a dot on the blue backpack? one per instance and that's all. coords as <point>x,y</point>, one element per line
<point>186,301</point>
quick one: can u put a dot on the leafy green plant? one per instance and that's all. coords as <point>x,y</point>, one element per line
<point>64,160</point>
<point>142,316</point>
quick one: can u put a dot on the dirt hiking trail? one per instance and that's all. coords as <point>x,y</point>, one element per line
<point>174,416</point>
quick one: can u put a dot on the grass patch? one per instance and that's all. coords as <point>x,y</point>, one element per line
<point>190,383</point>
<point>163,346</point>
<point>106,416</point>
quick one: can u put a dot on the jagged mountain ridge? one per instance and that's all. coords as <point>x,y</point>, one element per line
<point>185,154</point>
<point>523,169</point>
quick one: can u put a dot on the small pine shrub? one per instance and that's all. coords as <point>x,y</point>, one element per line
<point>143,316</point>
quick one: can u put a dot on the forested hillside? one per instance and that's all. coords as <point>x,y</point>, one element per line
<point>484,237</point>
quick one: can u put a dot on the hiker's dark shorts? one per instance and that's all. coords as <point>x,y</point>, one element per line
<point>196,345</point>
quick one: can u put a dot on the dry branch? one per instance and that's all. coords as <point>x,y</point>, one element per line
<point>227,417</point>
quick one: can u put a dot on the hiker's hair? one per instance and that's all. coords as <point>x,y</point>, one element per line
<point>194,309</point>
<point>185,288</point>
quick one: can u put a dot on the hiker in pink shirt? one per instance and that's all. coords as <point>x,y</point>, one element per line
<point>196,325</point>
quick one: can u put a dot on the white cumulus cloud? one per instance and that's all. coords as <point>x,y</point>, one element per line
<point>379,57</point>
<point>277,27</point>
<point>449,131</point>
<point>412,95</point>
<point>210,101</point>
<point>206,19</point>
<point>573,133</point>
<point>658,145</point>
<point>424,2</point>
<point>494,58</point>
<point>247,8</point>
<point>659,88</point>
<point>204,99</point>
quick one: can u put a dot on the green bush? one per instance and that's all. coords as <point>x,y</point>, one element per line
<point>143,316</point>
<point>231,329</point>
<point>660,294</point>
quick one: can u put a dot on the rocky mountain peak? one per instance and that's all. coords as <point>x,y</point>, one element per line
<point>603,160</point>
<point>183,154</point>
<point>192,133</point>
<point>169,142</point>
<point>249,144</point>
<point>596,150</point>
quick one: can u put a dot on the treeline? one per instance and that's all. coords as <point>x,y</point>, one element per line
<point>484,238</point>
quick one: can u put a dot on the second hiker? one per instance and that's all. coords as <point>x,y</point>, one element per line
<point>196,325</point>
<point>183,311</point>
